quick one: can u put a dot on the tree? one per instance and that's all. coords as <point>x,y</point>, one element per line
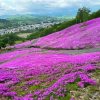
<point>2,44</point>
<point>8,39</point>
<point>95,14</point>
<point>82,14</point>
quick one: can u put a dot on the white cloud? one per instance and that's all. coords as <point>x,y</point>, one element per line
<point>66,3</point>
<point>29,5</point>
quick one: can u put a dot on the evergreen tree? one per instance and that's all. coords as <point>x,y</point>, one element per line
<point>82,14</point>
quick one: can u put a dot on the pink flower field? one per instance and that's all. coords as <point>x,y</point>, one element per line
<point>42,74</point>
<point>84,35</point>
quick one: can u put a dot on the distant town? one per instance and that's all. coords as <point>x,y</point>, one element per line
<point>28,27</point>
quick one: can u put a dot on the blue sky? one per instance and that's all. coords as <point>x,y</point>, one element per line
<point>46,7</point>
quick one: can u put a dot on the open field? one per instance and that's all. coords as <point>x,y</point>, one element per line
<point>24,35</point>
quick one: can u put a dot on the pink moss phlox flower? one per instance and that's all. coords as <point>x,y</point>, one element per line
<point>80,84</point>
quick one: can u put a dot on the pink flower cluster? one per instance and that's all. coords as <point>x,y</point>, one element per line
<point>17,53</point>
<point>24,44</point>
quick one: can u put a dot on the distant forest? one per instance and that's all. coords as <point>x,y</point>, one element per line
<point>16,21</point>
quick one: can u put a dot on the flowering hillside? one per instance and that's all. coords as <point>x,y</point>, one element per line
<point>84,35</point>
<point>33,75</point>
<point>79,36</point>
<point>28,73</point>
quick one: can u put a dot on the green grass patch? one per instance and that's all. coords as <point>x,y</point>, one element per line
<point>43,77</point>
<point>67,97</point>
<point>21,93</point>
<point>72,86</point>
<point>17,42</point>
<point>21,84</point>
<point>93,89</point>
<point>97,72</point>
<point>35,87</point>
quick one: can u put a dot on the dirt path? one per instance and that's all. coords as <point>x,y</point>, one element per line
<point>75,51</point>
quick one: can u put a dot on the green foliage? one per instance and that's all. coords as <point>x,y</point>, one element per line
<point>82,14</point>
<point>67,97</point>
<point>93,89</point>
<point>95,14</point>
<point>5,23</point>
<point>8,39</point>
<point>32,88</point>
<point>97,72</point>
<point>72,86</point>
<point>2,44</point>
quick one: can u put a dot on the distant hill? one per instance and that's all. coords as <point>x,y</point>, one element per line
<point>17,20</point>
<point>29,19</point>
<point>4,23</point>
